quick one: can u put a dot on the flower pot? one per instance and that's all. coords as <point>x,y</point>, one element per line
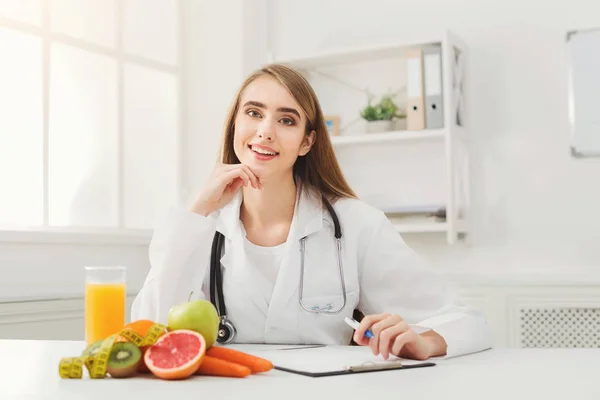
<point>379,126</point>
<point>400,124</point>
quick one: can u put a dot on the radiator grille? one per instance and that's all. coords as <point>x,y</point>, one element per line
<point>560,327</point>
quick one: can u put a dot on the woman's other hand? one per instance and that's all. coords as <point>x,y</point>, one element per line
<point>392,335</point>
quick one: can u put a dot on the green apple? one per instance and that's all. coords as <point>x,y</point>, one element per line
<point>198,315</point>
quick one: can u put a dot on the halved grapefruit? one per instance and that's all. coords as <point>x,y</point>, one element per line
<point>176,355</point>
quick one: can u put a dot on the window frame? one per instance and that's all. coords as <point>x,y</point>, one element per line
<point>119,235</point>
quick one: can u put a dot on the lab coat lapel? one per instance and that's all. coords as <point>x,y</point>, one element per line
<point>228,218</point>
<point>233,259</point>
<point>228,223</point>
<point>308,218</point>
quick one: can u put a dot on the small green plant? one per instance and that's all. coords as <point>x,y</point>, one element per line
<point>385,109</point>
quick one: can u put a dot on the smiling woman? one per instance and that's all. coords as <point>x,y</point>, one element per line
<point>278,232</point>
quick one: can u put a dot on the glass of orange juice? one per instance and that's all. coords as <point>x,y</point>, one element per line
<point>104,302</point>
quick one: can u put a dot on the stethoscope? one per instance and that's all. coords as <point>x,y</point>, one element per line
<point>227,331</point>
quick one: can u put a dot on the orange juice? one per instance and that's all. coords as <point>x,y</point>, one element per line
<point>104,310</point>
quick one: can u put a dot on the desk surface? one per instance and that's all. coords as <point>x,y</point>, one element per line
<point>29,370</point>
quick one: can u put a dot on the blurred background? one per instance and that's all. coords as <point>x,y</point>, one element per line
<point>112,111</point>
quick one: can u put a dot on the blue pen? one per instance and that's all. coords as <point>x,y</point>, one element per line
<point>355,324</point>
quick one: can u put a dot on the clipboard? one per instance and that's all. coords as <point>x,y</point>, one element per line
<point>359,369</point>
<point>336,360</point>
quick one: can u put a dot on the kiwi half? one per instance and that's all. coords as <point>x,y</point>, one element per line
<point>124,360</point>
<point>92,349</point>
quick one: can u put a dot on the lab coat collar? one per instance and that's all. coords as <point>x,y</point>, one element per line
<point>308,215</point>
<point>228,221</point>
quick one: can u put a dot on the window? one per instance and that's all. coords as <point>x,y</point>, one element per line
<point>90,99</point>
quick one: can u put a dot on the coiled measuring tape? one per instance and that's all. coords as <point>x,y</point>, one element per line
<point>96,364</point>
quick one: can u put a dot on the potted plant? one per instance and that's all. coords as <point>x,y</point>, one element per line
<point>380,116</point>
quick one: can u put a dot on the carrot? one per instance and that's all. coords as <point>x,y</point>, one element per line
<point>217,367</point>
<point>256,364</point>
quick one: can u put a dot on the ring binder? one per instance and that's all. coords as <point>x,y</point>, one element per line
<point>415,91</point>
<point>433,85</point>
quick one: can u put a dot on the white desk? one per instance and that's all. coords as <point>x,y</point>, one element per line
<point>29,370</point>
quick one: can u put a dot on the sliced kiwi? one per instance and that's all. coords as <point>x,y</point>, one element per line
<point>92,349</point>
<point>124,360</point>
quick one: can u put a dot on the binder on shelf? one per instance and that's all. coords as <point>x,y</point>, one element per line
<point>434,101</point>
<point>415,102</point>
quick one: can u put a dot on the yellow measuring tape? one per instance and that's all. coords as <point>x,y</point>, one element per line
<point>96,364</point>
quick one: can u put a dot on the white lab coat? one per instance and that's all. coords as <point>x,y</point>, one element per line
<point>382,274</point>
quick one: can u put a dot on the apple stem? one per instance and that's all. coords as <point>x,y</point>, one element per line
<point>190,298</point>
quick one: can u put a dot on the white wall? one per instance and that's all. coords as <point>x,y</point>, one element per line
<point>529,197</point>
<point>56,270</point>
<point>533,206</point>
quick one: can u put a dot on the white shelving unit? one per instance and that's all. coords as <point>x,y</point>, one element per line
<point>386,137</point>
<point>451,139</point>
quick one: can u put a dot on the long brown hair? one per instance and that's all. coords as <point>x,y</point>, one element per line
<point>319,168</point>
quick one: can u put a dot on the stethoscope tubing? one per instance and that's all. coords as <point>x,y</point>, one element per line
<point>227,330</point>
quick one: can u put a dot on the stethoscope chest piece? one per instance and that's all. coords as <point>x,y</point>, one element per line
<point>227,331</point>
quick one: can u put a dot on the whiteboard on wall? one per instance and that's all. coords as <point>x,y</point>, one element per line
<point>584,91</point>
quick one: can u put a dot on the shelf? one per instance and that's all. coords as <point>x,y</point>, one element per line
<point>425,225</point>
<point>360,54</point>
<point>383,137</point>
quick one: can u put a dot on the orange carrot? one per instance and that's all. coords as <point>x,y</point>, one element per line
<point>217,367</point>
<point>256,364</point>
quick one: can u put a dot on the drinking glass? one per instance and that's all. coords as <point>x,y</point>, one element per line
<point>104,301</point>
